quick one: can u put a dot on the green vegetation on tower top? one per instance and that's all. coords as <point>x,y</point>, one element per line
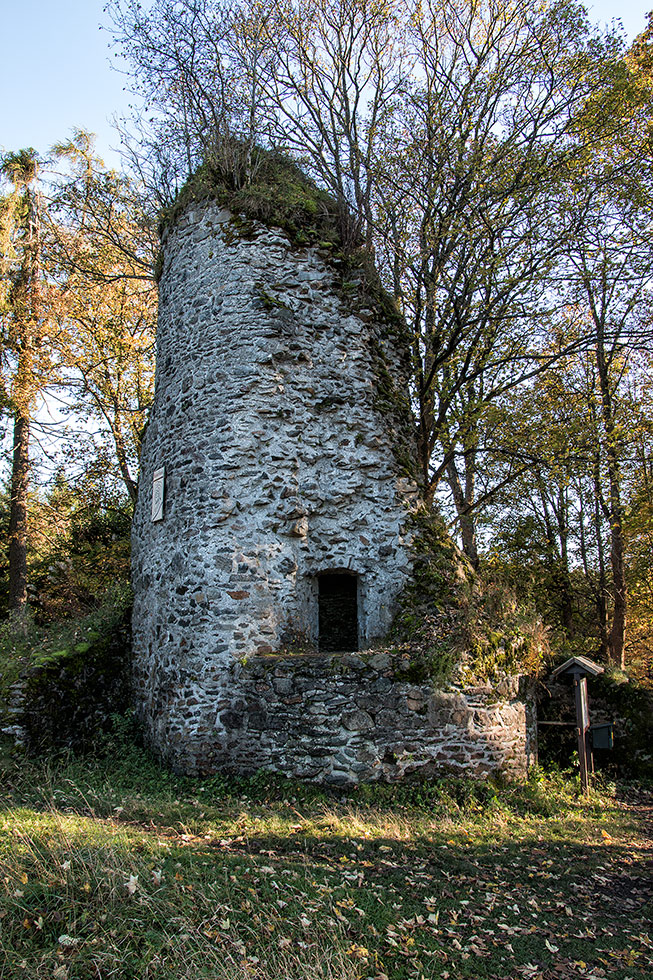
<point>274,190</point>
<point>271,189</point>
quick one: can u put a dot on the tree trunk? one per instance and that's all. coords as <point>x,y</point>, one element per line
<point>24,339</point>
<point>618,631</point>
<point>601,586</point>
<point>121,454</point>
<point>464,502</point>
<point>566,596</point>
<point>18,514</point>
<point>615,512</point>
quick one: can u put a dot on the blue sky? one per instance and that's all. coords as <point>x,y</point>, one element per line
<point>55,70</point>
<point>55,74</point>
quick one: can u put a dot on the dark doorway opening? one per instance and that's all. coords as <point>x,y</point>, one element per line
<point>338,606</point>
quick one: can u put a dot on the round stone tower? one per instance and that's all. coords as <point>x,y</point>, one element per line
<point>273,506</point>
<point>278,530</point>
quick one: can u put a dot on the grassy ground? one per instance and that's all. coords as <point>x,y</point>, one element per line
<point>116,869</point>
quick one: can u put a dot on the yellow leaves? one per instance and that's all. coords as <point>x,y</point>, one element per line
<point>358,952</point>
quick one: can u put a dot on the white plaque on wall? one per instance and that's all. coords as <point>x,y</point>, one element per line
<point>158,481</point>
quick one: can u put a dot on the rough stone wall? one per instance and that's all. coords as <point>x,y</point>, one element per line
<point>273,420</point>
<point>278,462</point>
<point>352,718</point>
<point>70,699</point>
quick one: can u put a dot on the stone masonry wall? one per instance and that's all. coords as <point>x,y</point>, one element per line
<point>278,462</point>
<point>346,719</point>
<point>277,431</point>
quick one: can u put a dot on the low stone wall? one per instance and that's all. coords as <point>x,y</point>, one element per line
<point>66,701</point>
<point>350,718</point>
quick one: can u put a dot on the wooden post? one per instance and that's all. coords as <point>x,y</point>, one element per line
<point>579,668</point>
<point>582,723</point>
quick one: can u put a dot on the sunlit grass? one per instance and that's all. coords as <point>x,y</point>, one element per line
<point>119,869</point>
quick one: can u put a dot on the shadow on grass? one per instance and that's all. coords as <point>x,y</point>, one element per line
<point>269,878</point>
<point>338,890</point>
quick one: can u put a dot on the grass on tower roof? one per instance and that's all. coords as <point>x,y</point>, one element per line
<point>277,193</point>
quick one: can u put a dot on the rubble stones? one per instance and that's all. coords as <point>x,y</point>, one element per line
<point>315,718</point>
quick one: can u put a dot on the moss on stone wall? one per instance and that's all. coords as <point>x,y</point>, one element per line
<point>429,626</point>
<point>278,194</point>
<point>70,699</point>
<point>61,684</point>
<point>503,637</point>
<point>457,625</point>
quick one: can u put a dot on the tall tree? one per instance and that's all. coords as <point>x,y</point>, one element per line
<point>445,128</point>
<point>557,518</point>
<point>611,276</point>
<point>105,247</point>
<point>26,319</point>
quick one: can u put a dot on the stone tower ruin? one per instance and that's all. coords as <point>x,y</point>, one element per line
<point>273,535</point>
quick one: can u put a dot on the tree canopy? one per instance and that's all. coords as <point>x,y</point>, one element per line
<point>493,160</point>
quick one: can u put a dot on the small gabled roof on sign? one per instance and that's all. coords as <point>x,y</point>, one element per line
<point>579,665</point>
